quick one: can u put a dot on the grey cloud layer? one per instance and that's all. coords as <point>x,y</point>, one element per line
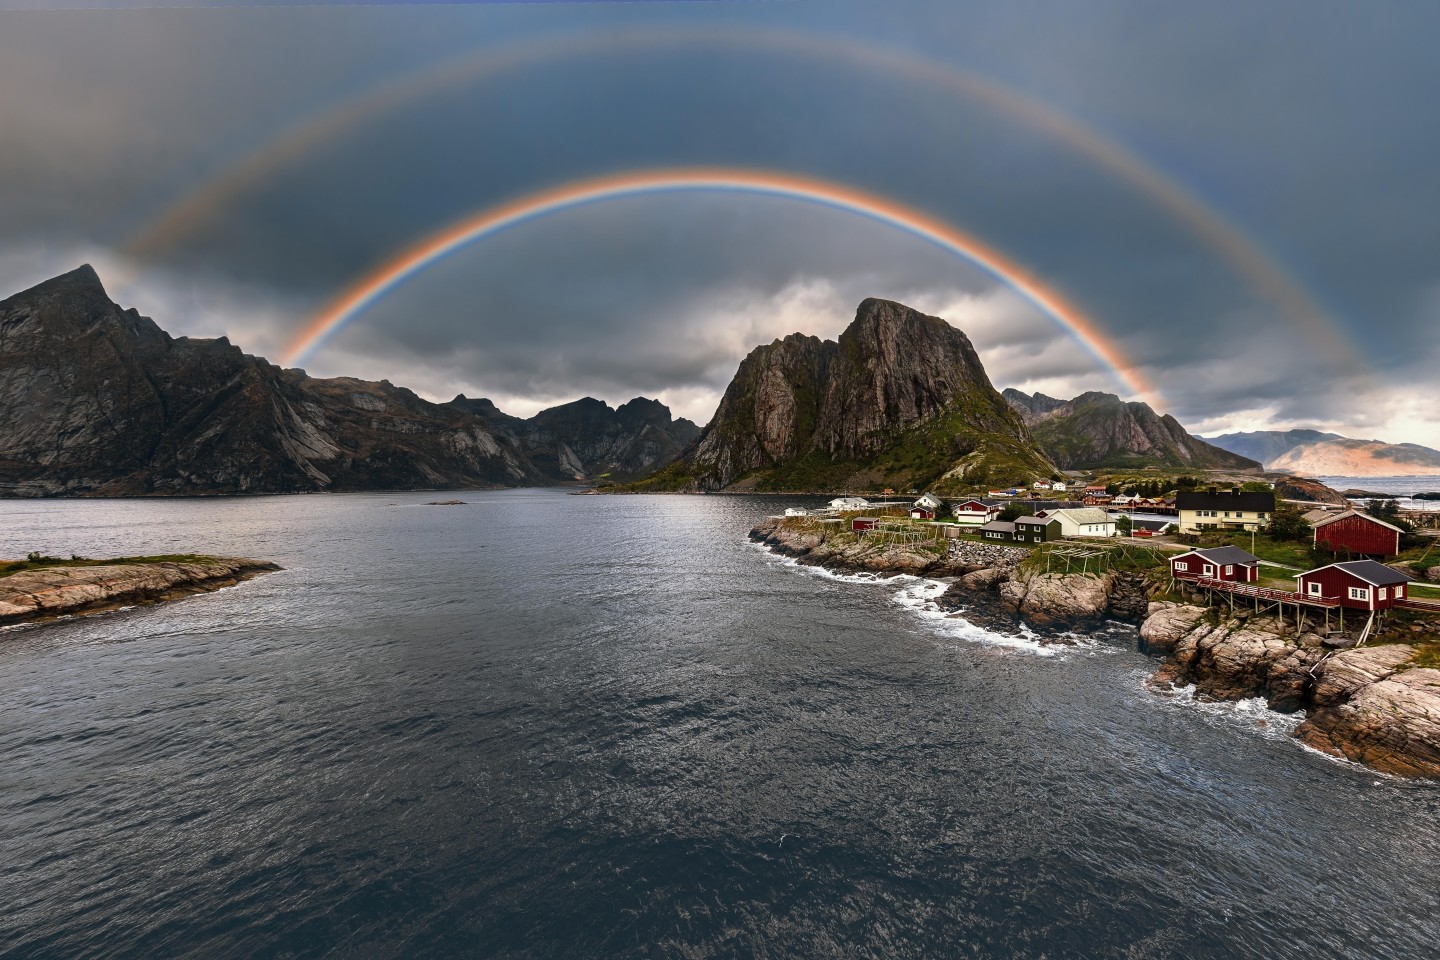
<point>1304,124</point>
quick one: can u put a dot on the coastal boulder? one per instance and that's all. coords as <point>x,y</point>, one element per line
<point>1371,711</point>
<point>1167,623</point>
<point>1235,664</point>
<point>1057,598</point>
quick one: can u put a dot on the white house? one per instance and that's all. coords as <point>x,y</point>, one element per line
<point>1041,485</point>
<point>1058,485</point>
<point>974,513</point>
<point>849,503</point>
<point>1083,522</point>
<point>796,512</point>
<point>929,502</point>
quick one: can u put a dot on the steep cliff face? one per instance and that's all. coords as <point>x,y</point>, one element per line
<point>1101,430</point>
<point>588,438</point>
<point>96,400</point>
<point>900,400</point>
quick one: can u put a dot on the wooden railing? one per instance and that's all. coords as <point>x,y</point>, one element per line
<point>1258,592</point>
<point>1419,603</point>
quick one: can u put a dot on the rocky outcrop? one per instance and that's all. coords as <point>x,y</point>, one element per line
<point>1370,704</point>
<point>1309,491</point>
<point>47,592</point>
<point>816,547</point>
<point>99,401</point>
<point>1051,599</point>
<point>1101,430</point>
<point>900,400</point>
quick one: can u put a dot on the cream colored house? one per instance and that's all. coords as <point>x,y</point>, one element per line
<point>1223,510</point>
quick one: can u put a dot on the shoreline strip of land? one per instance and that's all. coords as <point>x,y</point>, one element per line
<point>46,588</point>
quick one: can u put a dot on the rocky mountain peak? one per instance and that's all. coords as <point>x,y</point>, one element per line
<point>900,399</point>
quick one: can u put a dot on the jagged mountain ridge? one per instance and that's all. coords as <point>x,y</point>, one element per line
<point>1096,430</point>
<point>1311,452</point>
<point>100,401</point>
<point>901,399</point>
<point>587,438</point>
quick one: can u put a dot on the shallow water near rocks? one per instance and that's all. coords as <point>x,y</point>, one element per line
<point>541,725</point>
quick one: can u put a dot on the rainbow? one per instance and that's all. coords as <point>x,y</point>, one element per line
<point>1245,255</point>
<point>398,269</point>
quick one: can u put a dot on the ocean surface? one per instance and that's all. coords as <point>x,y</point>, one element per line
<point>542,725</point>
<point>1403,489</point>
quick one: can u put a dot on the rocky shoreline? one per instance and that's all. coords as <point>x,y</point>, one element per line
<point>1374,705</point>
<point>49,592</point>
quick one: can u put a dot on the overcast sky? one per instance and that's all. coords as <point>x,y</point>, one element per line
<point>1307,127</point>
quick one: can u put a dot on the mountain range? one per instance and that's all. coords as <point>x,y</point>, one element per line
<point>900,400</point>
<point>1100,430</point>
<point>1313,453</point>
<point>98,400</point>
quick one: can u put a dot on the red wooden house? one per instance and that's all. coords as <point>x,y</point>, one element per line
<point>1355,584</point>
<point>1357,533</point>
<point>1217,563</point>
<point>863,524</point>
<point>921,513</point>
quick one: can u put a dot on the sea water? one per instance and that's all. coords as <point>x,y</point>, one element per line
<point>543,725</point>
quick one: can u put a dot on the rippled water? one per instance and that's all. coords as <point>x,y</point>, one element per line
<point>556,726</point>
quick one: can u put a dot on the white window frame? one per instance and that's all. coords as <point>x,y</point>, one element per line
<point>1314,588</point>
<point>1359,593</point>
<point>1208,570</point>
<point>1384,594</point>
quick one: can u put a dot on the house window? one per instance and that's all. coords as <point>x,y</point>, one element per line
<point>1209,570</point>
<point>1314,588</point>
<point>1400,592</point>
<point>1384,593</point>
<point>1229,570</point>
<point>1359,593</point>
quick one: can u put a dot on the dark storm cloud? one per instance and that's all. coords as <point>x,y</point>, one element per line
<point>1304,124</point>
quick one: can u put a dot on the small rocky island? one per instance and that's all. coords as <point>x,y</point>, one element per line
<point>1376,704</point>
<point>44,588</point>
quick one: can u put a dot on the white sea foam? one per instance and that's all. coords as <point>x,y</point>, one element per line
<point>1251,714</point>
<point>918,594</point>
<point>920,598</point>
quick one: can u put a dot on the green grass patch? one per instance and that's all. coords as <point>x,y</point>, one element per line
<point>36,561</point>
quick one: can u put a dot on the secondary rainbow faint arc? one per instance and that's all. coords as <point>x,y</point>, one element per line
<point>293,143</point>
<point>395,271</point>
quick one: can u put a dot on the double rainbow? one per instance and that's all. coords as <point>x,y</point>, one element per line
<point>437,246</point>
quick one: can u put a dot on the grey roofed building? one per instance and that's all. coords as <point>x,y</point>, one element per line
<point>1372,572</point>
<point>1224,555</point>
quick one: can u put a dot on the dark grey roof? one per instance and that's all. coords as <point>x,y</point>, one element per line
<point>1223,555</point>
<point>1035,521</point>
<point>1004,526</point>
<point>1376,573</point>
<point>1224,500</point>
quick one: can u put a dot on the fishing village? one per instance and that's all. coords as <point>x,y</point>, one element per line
<point>1328,608</point>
